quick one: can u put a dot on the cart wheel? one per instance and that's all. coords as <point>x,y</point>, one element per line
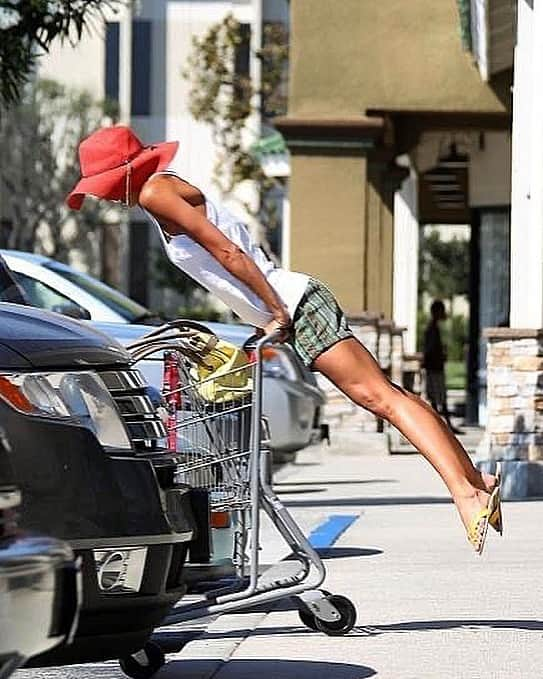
<point>307,617</point>
<point>144,663</point>
<point>347,619</point>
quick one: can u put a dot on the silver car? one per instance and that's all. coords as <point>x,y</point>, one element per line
<point>292,400</point>
<point>39,589</point>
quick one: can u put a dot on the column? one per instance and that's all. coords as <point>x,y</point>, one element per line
<point>406,247</point>
<point>372,264</point>
<point>514,432</point>
<point>527,171</point>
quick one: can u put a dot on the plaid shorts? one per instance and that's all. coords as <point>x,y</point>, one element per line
<point>318,323</point>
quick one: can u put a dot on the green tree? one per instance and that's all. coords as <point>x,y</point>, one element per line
<point>225,98</point>
<point>27,29</point>
<point>39,137</point>
<point>443,266</point>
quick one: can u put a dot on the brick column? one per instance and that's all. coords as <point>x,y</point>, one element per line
<point>366,328</point>
<point>396,354</point>
<point>384,347</point>
<point>412,373</point>
<point>514,430</point>
<point>340,411</point>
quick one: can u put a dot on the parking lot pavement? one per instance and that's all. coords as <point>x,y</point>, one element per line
<point>428,607</point>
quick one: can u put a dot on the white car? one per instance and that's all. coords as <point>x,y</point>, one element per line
<point>292,399</point>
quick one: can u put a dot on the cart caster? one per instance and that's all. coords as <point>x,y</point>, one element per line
<point>307,617</point>
<point>333,628</point>
<point>144,663</point>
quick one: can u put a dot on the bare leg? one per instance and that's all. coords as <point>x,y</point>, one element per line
<point>355,372</point>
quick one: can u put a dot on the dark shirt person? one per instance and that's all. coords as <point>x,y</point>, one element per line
<point>435,356</point>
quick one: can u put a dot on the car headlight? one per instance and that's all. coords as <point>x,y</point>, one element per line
<point>277,363</point>
<point>79,397</point>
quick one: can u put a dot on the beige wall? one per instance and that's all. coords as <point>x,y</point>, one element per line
<point>349,58</point>
<point>356,55</point>
<point>327,223</point>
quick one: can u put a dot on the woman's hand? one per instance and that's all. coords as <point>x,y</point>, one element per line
<point>281,322</point>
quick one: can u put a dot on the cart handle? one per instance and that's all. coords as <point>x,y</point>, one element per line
<point>266,339</point>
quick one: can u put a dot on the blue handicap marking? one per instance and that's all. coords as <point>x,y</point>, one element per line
<point>328,532</point>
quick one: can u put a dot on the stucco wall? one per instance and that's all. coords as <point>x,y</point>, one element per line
<point>327,195</point>
<point>356,55</point>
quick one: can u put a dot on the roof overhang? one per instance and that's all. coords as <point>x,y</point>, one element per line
<point>361,134</point>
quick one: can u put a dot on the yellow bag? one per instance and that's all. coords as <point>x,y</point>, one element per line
<point>224,375</point>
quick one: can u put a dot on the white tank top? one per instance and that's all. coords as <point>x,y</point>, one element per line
<point>199,264</point>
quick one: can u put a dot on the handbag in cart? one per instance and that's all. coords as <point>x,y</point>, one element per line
<point>224,373</point>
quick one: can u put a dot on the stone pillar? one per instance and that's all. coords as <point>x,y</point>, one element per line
<point>366,328</point>
<point>384,347</point>
<point>514,430</point>
<point>339,409</point>
<point>412,373</point>
<point>396,355</point>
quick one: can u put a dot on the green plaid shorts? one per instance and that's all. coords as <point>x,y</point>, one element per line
<point>318,323</point>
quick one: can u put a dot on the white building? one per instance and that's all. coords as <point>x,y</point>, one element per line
<point>139,59</point>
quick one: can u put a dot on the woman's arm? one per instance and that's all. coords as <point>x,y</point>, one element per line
<point>163,198</point>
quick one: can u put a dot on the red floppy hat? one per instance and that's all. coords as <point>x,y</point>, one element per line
<point>108,155</point>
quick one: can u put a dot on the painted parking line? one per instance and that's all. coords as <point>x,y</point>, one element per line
<point>327,533</point>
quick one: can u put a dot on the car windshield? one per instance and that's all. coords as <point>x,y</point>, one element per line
<point>115,300</point>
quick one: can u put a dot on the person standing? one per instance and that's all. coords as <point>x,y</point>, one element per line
<point>435,356</point>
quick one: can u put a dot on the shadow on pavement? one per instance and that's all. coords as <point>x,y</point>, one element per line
<point>271,669</point>
<point>347,482</point>
<point>172,642</point>
<point>341,552</point>
<point>369,501</point>
<point>291,490</point>
<point>430,625</point>
<point>346,552</point>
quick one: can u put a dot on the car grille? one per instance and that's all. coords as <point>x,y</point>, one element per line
<point>130,392</point>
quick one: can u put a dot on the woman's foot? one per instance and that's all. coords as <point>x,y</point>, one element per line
<point>470,505</point>
<point>472,499</point>
<point>479,508</point>
<point>488,481</point>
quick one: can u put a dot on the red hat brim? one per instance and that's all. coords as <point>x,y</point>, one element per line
<point>110,184</point>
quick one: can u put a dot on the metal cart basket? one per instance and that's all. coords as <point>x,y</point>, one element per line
<point>213,401</point>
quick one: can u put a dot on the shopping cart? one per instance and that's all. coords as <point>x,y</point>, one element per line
<point>215,426</point>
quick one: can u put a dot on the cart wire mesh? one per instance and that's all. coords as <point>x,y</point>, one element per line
<point>209,417</point>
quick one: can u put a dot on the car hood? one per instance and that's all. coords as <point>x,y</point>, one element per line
<point>42,339</point>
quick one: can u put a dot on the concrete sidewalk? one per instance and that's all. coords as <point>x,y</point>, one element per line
<point>428,607</point>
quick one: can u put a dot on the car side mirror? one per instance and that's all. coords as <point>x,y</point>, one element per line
<point>73,311</point>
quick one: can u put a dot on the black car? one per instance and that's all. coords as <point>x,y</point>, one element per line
<point>85,452</point>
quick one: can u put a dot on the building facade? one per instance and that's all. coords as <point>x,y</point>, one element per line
<point>139,59</point>
<point>400,114</point>
<point>393,123</point>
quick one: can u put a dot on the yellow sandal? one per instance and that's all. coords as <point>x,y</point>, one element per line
<point>496,518</point>
<point>489,515</point>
